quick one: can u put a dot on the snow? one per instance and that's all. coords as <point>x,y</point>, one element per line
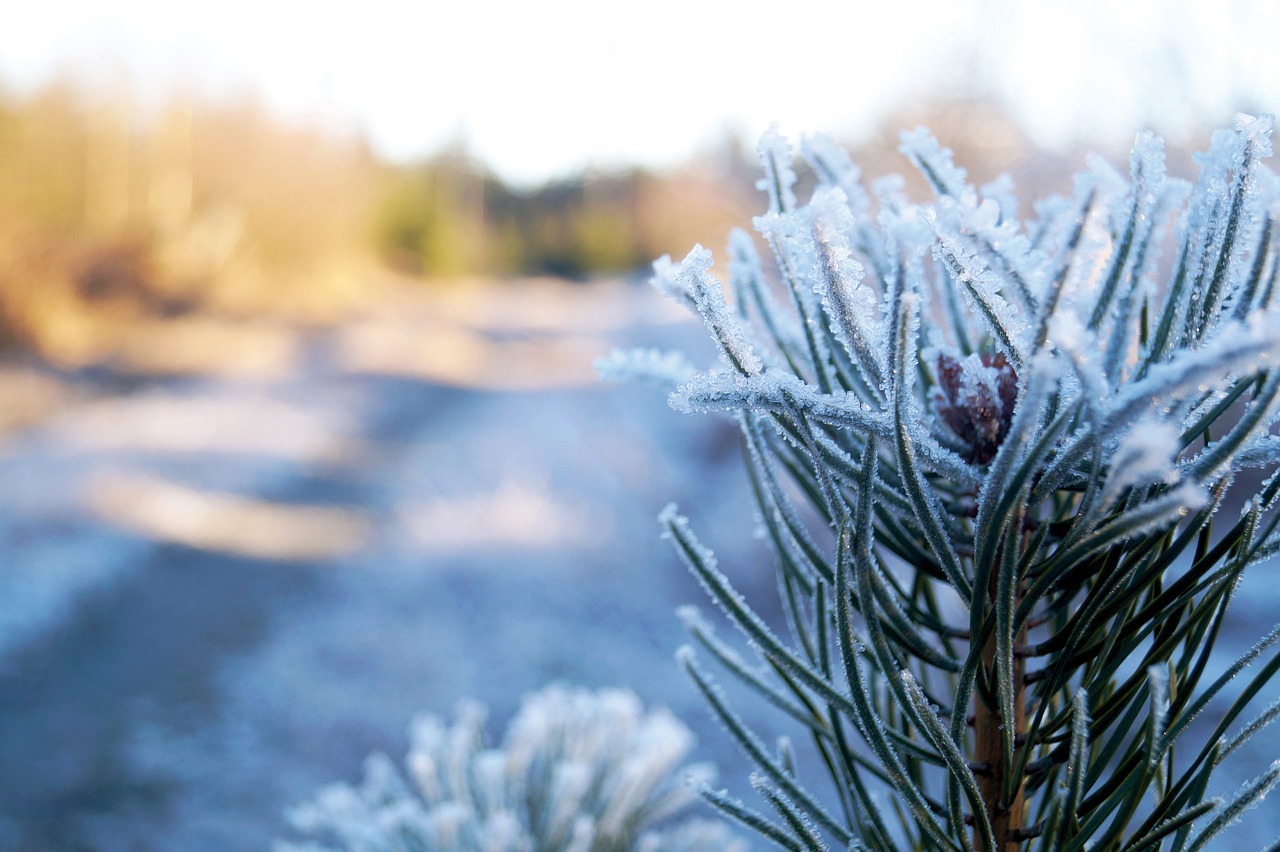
<point>225,592</point>
<point>160,695</point>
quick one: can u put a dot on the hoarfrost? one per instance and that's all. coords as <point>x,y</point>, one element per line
<point>833,167</point>
<point>837,281</point>
<point>576,768</point>
<point>668,369</point>
<point>780,177</point>
<point>1256,131</point>
<point>1145,456</point>
<point>1001,191</point>
<point>691,282</point>
<point>936,164</point>
<point>1120,371</point>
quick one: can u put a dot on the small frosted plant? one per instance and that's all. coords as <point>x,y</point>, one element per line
<point>578,771</point>
<point>1010,475</point>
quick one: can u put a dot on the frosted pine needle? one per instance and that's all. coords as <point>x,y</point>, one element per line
<point>988,456</point>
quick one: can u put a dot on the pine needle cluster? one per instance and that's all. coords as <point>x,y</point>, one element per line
<point>578,771</point>
<point>1012,473</point>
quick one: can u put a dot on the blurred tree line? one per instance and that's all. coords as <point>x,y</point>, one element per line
<point>114,211</point>
<point>448,216</point>
<point>111,211</point>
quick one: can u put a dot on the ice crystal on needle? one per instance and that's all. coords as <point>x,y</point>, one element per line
<point>987,455</point>
<point>578,771</point>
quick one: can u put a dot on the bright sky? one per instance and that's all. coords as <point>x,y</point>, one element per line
<point>540,88</point>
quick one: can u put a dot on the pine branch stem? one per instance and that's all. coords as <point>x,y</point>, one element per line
<point>1006,818</point>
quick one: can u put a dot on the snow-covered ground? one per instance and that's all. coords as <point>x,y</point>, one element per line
<point>219,593</point>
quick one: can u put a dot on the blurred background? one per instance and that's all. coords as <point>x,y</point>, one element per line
<point>298,428</point>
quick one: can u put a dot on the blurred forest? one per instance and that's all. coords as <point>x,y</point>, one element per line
<point>114,214</point>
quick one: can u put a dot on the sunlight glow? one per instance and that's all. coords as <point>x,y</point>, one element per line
<point>539,89</point>
<point>247,526</point>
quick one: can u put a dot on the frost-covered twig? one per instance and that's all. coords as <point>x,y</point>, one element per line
<point>578,771</point>
<point>1012,440</point>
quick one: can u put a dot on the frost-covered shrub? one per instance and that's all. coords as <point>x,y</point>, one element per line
<point>994,460</point>
<point>577,772</point>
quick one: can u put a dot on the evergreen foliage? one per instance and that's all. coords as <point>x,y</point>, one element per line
<point>578,771</point>
<point>997,463</point>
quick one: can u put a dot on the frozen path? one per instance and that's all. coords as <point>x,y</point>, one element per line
<point>218,594</point>
<point>225,593</point>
